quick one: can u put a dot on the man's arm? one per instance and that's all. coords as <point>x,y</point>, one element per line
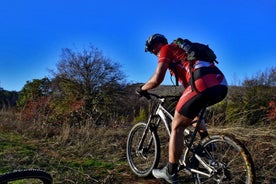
<point>157,77</point>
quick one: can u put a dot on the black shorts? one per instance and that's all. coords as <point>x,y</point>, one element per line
<point>191,102</point>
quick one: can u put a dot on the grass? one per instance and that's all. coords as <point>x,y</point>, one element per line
<point>97,154</point>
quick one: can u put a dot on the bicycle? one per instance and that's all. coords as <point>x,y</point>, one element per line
<point>216,159</point>
<point>43,176</point>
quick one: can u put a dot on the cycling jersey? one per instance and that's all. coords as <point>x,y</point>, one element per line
<point>205,75</point>
<point>209,82</point>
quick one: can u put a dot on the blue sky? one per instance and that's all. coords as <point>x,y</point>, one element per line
<point>32,34</point>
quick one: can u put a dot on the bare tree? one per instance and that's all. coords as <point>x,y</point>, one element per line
<point>87,78</point>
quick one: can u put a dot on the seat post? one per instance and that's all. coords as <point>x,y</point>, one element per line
<point>200,118</point>
<point>200,115</point>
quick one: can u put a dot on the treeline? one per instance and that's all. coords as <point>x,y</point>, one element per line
<point>87,87</point>
<point>7,98</point>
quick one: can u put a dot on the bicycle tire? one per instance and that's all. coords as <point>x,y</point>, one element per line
<point>231,159</point>
<point>43,176</point>
<point>142,163</point>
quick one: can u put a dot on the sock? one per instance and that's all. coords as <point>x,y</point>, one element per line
<point>172,168</point>
<point>203,134</point>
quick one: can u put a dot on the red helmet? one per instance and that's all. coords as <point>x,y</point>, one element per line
<point>153,39</point>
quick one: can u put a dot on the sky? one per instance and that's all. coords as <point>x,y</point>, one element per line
<point>33,34</point>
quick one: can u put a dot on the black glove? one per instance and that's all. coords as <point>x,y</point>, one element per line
<point>141,92</point>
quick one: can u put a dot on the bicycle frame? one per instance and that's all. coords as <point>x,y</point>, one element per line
<point>167,118</point>
<point>164,115</point>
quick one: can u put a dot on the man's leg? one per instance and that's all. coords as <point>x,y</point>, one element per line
<point>169,173</point>
<point>179,124</point>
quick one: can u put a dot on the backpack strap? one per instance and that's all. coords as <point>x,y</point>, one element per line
<point>173,68</point>
<point>176,79</point>
<point>192,80</point>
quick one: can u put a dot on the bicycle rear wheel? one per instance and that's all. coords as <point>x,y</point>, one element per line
<point>142,161</point>
<point>43,176</point>
<point>230,159</point>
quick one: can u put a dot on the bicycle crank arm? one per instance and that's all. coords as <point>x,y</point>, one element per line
<point>204,164</point>
<point>190,169</point>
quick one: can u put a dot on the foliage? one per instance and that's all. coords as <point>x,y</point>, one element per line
<point>142,117</point>
<point>33,90</point>
<point>249,104</point>
<point>272,111</point>
<point>34,100</point>
<point>86,88</point>
<point>216,114</point>
<point>7,98</point>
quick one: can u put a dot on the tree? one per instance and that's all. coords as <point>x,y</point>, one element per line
<point>34,100</point>
<point>33,90</point>
<point>87,78</point>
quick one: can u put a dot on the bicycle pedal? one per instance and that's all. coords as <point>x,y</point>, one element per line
<point>182,168</point>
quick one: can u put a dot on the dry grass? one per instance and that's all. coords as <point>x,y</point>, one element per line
<point>97,154</point>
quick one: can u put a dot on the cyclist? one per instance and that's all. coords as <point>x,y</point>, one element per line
<point>211,87</point>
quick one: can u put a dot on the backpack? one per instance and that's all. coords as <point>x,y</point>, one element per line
<point>196,51</point>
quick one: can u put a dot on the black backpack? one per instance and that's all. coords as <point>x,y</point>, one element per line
<point>196,51</point>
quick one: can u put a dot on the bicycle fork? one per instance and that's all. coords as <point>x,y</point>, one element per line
<point>141,149</point>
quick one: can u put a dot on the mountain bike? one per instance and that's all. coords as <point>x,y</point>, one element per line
<point>43,176</point>
<point>215,159</point>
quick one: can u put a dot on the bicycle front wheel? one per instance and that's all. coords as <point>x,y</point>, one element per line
<point>146,157</point>
<point>43,176</point>
<point>230,160</point>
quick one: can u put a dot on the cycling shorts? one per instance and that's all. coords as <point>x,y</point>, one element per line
<point>191,101</point>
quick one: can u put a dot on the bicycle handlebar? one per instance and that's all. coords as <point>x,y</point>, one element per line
<point>160,97</point>
<point>155,95</point>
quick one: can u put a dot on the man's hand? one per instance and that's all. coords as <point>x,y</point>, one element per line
<point>141,92</point>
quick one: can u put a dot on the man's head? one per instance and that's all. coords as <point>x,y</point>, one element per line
<point>154,41</point>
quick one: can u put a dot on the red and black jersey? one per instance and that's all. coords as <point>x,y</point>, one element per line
<point>205,74</point>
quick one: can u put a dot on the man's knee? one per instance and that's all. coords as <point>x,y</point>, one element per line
<point>180,122</point>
